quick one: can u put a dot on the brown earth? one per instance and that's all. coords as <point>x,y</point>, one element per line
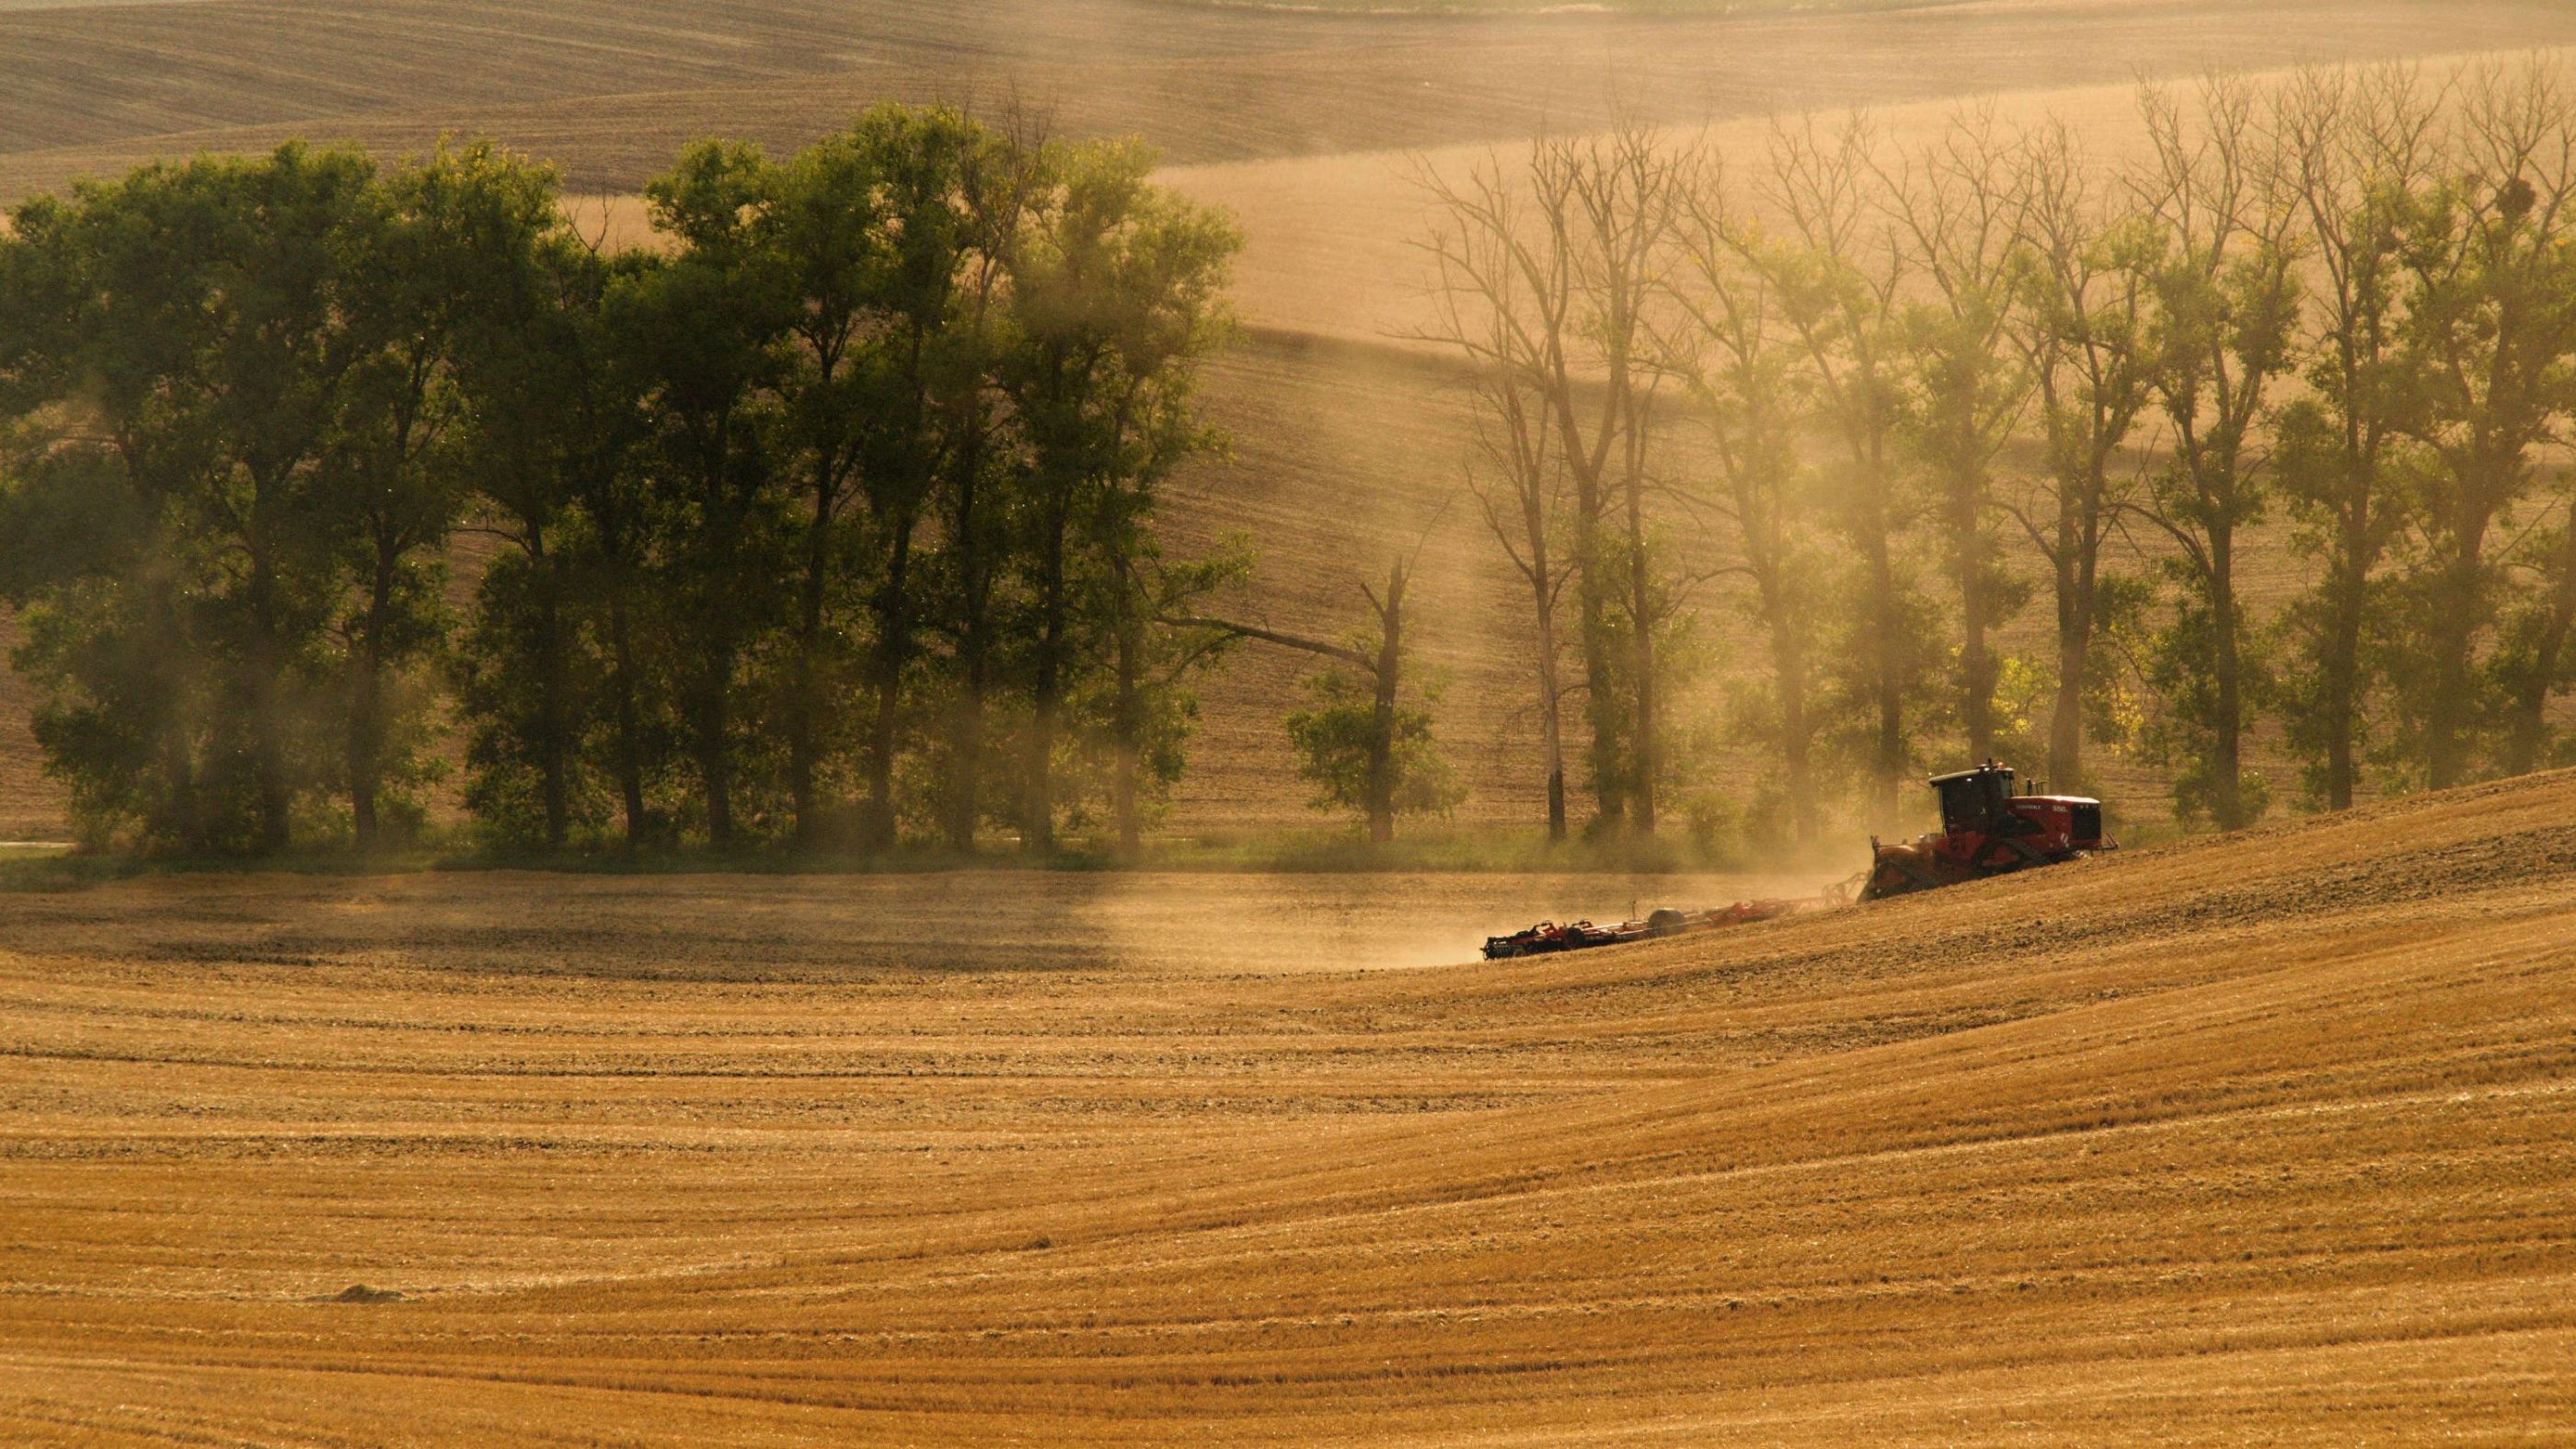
<point>611,90</point>
<point>2255,1140</point>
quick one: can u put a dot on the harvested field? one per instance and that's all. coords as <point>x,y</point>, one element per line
<point>2247,1140</point>
<point>2250,1140</point>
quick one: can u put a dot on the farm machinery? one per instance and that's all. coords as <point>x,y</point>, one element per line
<point>1548,936</point>
<point>1986,829</point>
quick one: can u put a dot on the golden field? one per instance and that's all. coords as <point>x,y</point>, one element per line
<point>2255,1140</point>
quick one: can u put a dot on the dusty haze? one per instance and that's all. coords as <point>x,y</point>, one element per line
<point>2260,1139</point>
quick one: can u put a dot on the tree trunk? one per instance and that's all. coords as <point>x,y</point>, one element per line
<point>1885,671</point>
<point>966,784</point>
<point>1127,730</point>
<point>1600,700</point>
<point>2077,568</point>
<point>2342,651</point>
<point>2350,578</point>
<point>1381,757</point>
<point>1789,682</point>
<point>2227,754</point>
<point>366,714</point>
<point>1976,660</point>
<point>2066,715</point>
<point>2531,696</point>
<point>268,748</point>
<point>630,743</point>
<point>1037,813</point>
<point>1643,757</point>
<point>1037,808</point>
<point>178,750</point>
<point>714,727</point>
<point>554,727</point>
<point>894,648</point>
<point>804,715</point>
<point>974,646</point>
<point>2453,636</point>
<point>1550,719</point>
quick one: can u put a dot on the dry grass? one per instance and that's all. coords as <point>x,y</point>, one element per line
<point>2238,1142</point>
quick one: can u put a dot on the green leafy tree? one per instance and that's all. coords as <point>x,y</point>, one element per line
<point>2490,326</point>
<point>1964,387</point>
<point>929,161</point>
<point>1739,358</point>
<point>547,676</point>
<point>2227,304</point>
<point>1361,745</point>
<point>195,329</point>
<point>2081,326</point>
<point>873,230</point>
<point>982,465</point>
<point>705,334</point>
<point>2362,146</point>
<point>448,274</point>
<point>1841,277</point>
<point>1115,295</point>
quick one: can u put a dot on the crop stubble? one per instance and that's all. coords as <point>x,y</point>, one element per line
<point>2234,1141</point>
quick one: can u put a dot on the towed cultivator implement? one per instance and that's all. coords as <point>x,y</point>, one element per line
<point>1986,830</point>
<point>1548,936</point>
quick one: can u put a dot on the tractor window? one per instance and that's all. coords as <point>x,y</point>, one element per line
<point>1975,802</point>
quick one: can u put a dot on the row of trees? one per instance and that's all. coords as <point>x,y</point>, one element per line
<point>832,517</point>
<point>1884,392</point>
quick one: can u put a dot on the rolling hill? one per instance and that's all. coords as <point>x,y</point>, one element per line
<point>2248,1140</point>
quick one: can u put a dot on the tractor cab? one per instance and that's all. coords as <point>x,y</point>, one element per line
<point>1978,800</point>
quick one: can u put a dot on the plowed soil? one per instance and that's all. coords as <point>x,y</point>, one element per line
<point>2252,1140</point>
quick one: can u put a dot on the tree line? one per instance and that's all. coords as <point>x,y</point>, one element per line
<point>833,519</point>
<point>1881,396</point>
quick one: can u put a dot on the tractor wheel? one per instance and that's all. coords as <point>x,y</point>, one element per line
<point>1896,873</point>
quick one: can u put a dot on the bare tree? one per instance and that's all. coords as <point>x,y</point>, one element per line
<point>1510,320</point>
<point>1956,206</point>
<point>1628,193</point>
<point>1836,274</point>
<point>1523,503</point>
<point>1742,362</point>
<point>1545,274</point>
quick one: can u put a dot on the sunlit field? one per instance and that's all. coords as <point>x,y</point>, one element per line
<point>2244,1140</point>
<point>2248,1138</point>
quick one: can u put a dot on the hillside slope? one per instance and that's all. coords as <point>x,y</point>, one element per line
<point>611,90</point>
<point>2241,1141</point>
<point>1345,450</point>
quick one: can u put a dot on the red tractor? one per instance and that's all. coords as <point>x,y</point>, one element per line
<point>1986,829</point>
